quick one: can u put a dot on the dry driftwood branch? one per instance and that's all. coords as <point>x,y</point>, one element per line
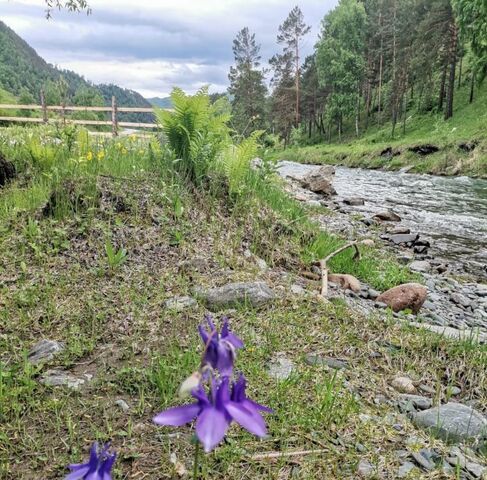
<point>272,455</point>
<point>324,267</point>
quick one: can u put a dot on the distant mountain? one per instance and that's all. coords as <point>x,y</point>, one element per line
<point>160,102</point>
<point>23,71</point>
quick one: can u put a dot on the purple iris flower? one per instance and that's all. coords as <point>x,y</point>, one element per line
<point>219,347</point>
<point>215,414</point>
<point>98,467</point>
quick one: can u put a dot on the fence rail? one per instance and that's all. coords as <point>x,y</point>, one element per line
<point>114,110</point>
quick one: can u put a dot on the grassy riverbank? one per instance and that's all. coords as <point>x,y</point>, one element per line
<point>73,200</point>
<point>376,149</point>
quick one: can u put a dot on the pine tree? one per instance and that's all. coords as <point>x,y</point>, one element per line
<point>291,34</point>
<point>247,86</point>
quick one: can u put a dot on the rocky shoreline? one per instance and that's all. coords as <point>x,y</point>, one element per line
<point>461,307</point>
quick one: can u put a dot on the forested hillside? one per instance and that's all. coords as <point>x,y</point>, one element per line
<point>24,74</point>
<point>375,62</point>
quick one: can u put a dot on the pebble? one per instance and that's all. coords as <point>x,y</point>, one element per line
<point>123,405</point>
<point>281,368</point>
<point>365,469</point>
<point>44,351</point>
<point>422,461</point>
<point>405,469</point>
<point>61,378</point>
<point>179,304</point>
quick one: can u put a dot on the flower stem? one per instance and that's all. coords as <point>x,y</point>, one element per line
<point>196,460</point>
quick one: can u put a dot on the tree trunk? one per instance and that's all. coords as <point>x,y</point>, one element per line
<point>297,82</point>
<point>404,113</point>
<point>460,72</point>
<point>441,98</point>
<point>472,86</point>
<point>381,61</point>
<point>453,66</point>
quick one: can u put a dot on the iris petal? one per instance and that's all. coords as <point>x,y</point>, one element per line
<point>78,473</point>
<point>211,427</point>
<point>248,419</point>
<point>177,416</point>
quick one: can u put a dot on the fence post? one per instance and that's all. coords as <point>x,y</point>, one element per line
<point>44,107</point>
<point>114,117</point>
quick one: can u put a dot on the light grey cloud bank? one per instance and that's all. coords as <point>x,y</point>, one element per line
<point>153,45</point>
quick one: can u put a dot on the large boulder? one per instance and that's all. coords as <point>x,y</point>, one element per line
<point>320,180</point>
<point>453,422</point>
<point>409,296</point>
<point>231,295</point>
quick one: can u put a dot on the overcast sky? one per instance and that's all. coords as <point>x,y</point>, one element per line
<point>152,45</point>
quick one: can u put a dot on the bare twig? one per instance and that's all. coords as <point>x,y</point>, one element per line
<point>324,267</point>
<point>272,455</point>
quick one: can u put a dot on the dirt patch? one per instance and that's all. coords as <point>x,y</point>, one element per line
<point>424,150</point>
<point>7,171</point>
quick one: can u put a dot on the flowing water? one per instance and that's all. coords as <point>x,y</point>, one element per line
<point>451,212</point>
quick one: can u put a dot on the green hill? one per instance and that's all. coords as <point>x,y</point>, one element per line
<point>23,71</point>
<point>160,102</point>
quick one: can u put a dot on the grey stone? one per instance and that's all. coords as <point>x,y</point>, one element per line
<point>405,469</point>
<point>460,300</point>
<point>454,333</point>
<point>61,378</point>
<point>420,266</point>
<point>416,401</point>
<point>354,201</point>
<point>475,469</point>
<point>123,405</point>
<point>403,238</point>
<point>373,294</point>
<point>180,304</point>
<point>422,461</point>
<point>453,422</point>
<point>318,360</point>
<point>281,368</point>
<point>297,289</point>
<point>365,469</point>
<point>233,294</point>
<point>455,391</point>
<point>44,351</point>
<point>387,216</point>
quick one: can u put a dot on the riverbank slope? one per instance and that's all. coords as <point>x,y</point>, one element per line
<point>429,145</point>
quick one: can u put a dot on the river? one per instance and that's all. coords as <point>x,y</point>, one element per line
<point>451,212</point>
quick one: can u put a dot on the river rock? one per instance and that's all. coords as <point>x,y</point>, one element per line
<point>179,304</point>
<point>318,360</point>
<point>281,368</point>
<point>422,266</point>
<point>408,296</point>
<point>404,238</point>
<point>387,216</point>
<point>417,401</point>
<point>44,351</point>
<point>459,299</point>
<point>62,378</point>
<point>403,384</point>
<point>320,180</point>
<point>399,231</point>
<point>365,469</point>
<point>234,294</point>
<point>347,282</point>
<point>454,333</point>
<point>354,201</point>
<point>405,469</point>
<point>453,422</point>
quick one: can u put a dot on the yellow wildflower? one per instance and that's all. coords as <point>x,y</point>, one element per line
<point>89,156</point>
<point>124,151</point>
<point>101,155</point>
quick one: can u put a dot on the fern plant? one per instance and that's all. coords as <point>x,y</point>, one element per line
<point>196,130</point>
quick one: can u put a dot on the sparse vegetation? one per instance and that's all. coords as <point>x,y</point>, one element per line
<point>72,207</point>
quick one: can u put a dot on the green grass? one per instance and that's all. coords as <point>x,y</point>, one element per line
<point>55,282</point>
<point>467,125</point>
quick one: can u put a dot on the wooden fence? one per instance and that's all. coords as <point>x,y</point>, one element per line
<point>62,109</point>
